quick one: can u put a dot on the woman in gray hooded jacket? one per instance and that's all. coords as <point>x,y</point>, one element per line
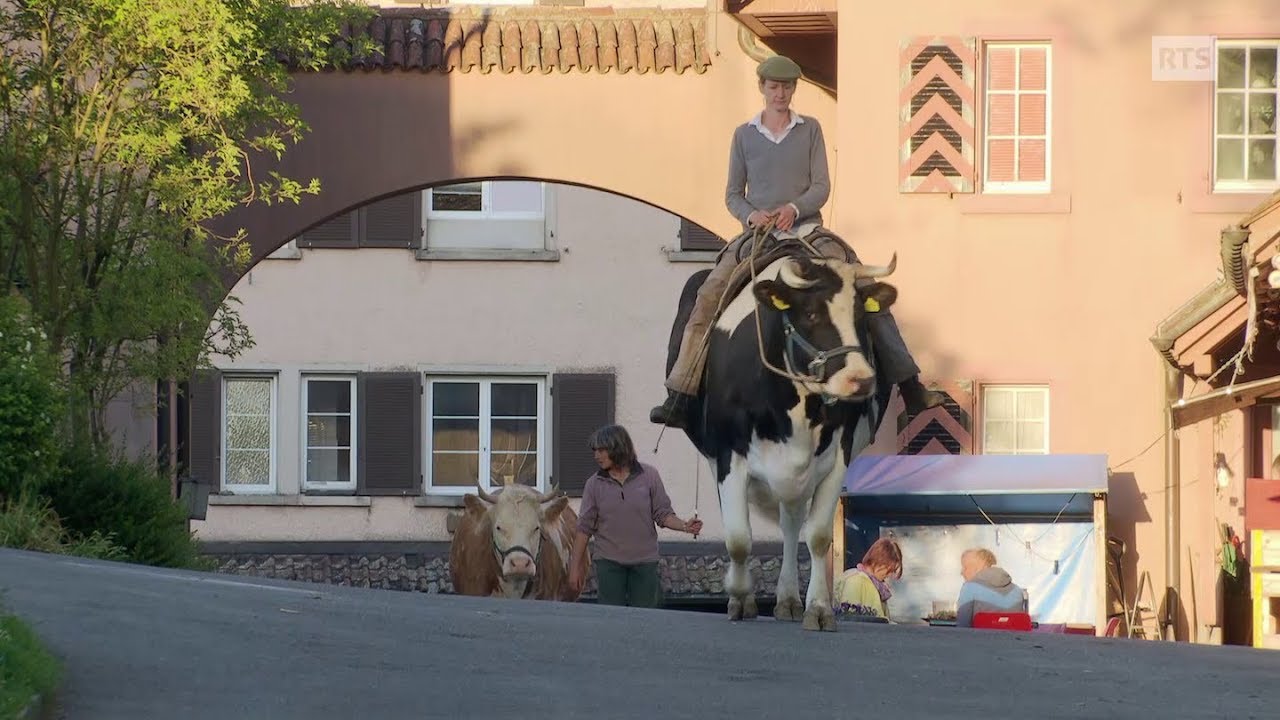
<point>987,588</point>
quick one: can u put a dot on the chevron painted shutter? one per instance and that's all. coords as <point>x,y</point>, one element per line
<point>943,430</point>
<point>936,121</point>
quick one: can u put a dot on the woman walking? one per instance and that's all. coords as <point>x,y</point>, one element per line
<point>623,504</point>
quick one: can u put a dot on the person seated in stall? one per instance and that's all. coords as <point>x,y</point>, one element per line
<point>987,588</point>
<point>868,583</point>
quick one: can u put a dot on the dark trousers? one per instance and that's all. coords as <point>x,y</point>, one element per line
<point>635,585</point>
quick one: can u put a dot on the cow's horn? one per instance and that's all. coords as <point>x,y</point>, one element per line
<point>877,271</point>
<point>484,495</point>
<point>790,274</point>
<point>549,495</point>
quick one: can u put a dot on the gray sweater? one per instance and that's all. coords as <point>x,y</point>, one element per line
<point>764,175</point>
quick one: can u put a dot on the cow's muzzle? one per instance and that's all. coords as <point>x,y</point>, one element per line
<point>817,359</point>
<point>516,561</point>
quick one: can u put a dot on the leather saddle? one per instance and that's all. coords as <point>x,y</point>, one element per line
<point>774,248</point>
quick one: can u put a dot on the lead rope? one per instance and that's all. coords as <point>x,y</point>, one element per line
<point>697,483</point>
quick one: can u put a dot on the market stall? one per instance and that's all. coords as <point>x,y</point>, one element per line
<point>1044,516</point>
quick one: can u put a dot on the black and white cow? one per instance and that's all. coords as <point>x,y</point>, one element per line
<point>781,444</point>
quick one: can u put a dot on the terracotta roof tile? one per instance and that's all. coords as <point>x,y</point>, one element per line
<point>541,39</point>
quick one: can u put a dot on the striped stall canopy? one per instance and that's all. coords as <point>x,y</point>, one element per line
<point>936,121</point>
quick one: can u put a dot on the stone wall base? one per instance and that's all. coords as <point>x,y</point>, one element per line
<point>687,572</point>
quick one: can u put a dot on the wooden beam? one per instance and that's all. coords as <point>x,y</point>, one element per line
<point>1204,366</point>
<point>837,544</point>
<point>1214,330</point>
<point>786,7</point>
<point>1189,411</point>
<point>1100,559</point>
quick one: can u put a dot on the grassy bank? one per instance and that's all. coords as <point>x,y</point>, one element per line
<point>26,668</point>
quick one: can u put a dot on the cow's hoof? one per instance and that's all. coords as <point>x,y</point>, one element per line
<point>743,608</point>
<point>788,609</point>
<point>819,617</point>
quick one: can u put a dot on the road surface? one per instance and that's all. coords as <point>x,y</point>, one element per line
<point>141,642</point>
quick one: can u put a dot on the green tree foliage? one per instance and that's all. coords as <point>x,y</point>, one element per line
<point>125,126</point>
<point>31,403</point>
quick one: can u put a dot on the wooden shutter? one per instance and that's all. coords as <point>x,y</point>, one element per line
<point>340,232</point>
<point>389,458</point>
<point>204,427</point>
<point>392,222</point>
<point>943,430</point>
<point>580,404</point>
<point>936,119</point>
<point>696,237</point>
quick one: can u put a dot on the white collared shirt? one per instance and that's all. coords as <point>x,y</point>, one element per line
<point>758,123</point>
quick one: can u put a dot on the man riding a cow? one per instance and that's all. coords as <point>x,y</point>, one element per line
<point>778,174</point>
<point>782,358</point>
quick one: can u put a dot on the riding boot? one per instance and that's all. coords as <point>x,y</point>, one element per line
<point>918,399</point>
<point>672,412</point>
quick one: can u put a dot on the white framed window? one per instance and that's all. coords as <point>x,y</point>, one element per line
<point>1015,419</point>
<point>329,432</point>
<point>249,433</point>
<point>487,200</point>
<point>288,251</point>
<point>1017,112</point>
<point>1244,117</point>
<point>485,430</point>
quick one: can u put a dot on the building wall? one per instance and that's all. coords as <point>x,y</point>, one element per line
<point>607,302</point>
<point>662,138</point>
<point>1063,288</point>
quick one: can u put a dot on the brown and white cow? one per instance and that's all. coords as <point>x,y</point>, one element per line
<point>515,543</point>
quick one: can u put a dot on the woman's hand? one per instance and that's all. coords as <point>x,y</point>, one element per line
<point>693,526</point>
<point>576,578</point>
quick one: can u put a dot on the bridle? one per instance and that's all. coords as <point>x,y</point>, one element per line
<point>817,366</point>
<point>795,340</point>
<point>502,559</point>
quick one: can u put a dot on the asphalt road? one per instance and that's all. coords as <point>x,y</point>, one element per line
<point>139,642</point>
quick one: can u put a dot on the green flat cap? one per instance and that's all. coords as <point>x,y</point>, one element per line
<point>778,67</point>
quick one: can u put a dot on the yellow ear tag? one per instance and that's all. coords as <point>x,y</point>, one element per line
<point>872,305</point>
<point>779,302</point>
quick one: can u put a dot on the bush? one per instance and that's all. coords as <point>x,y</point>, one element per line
<point>30,523</point>
<point>31,402</point>
<point>128,501</point>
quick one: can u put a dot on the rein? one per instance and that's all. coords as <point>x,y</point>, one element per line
<point>502,558</point>
<point>794,339</point>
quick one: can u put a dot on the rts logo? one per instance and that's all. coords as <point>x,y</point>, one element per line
<point>1184,57</point>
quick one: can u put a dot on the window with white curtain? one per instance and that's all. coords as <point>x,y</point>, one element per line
<point>1015,420</point>
<point>1244,117</point>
